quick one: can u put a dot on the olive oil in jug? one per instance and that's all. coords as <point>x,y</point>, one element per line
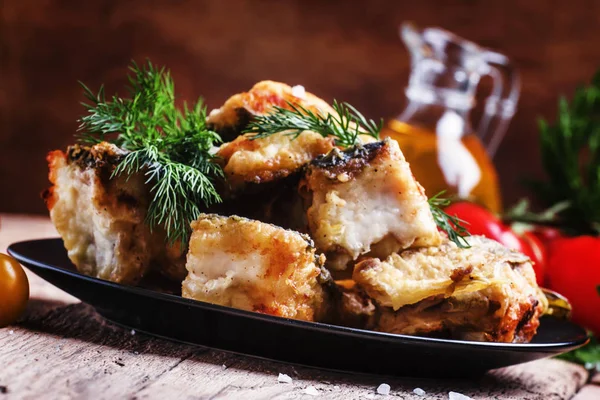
<point>434,131</point>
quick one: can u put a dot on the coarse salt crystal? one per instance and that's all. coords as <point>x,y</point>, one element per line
<point>223,366</point>
<point>132,332</point>
<point>284,378</point>
<point>419,392</point>
<point>311,390</point>
<point>383,389</point>
<point>458,396</point>
<point>299,91</point>
<point>11,332</point>
<point>369,396</point>
<point>336,387</point>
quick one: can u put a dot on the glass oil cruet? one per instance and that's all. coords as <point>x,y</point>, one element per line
<point>435,132</point>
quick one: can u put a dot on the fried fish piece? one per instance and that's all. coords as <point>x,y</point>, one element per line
<point>485,292</point>
<point>247,161</point>
<point>251,265</point>
<point>233,117</point>
<point>101,218</point>
<point>365,200</point>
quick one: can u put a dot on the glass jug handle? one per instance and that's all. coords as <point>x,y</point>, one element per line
<point>500,106</point>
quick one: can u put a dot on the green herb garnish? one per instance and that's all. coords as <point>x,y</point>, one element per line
<point>588,355</point>
<point>571,158</point>
<point>345,125</point>
<point>172,148</point>
<point>452,225</point>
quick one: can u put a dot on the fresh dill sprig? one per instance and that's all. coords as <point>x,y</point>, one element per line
<point>452,225</point>
<point>345,125</point>
<point>171,147</point>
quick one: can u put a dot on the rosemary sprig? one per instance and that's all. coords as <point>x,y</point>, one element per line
<point>452,225</point>
<point>345,125</point>
<point>169,146</point>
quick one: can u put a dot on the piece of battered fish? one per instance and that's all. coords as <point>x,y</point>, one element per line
<point>101,219</point>
<point>246,161</point>
<point>365,200</point>
<point>249,162</point>
<point>251,265</point>
<point>486,292</point>
<point>233,116</point>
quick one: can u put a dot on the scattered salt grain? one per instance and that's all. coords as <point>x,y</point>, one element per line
<point>299,91</point>
<point>369,396</point>
<point>419,392</point>
<point>132,332</point>
<point>11,332</point>
<point>311,390</point>
<point>336,387</point>
<point>223,366</point>
<point>283,378</point>
<point>383,389</point>
<point>458,396</point>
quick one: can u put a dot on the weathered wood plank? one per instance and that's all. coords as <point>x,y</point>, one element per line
<point>251,379</point>
<point>71,352</point>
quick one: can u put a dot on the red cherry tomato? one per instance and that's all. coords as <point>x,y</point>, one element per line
<point>480,221</point>
<point>574,271</point>
<point>546,234</point>
<point>535,249</point>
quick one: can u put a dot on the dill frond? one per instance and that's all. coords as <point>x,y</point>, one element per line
<point>345,125</point>
<point>171,148</point>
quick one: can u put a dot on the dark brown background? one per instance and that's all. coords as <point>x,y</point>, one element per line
<point>344,49</point>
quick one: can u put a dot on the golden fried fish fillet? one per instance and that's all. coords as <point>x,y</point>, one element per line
<point>101,219</point>
<point>485,292</point>
<point>251,265</point>
<point>365,200</point>
<point>231,119</point>
<point>249,161</point>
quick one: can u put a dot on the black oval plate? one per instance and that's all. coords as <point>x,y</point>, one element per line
<point>306,343</point>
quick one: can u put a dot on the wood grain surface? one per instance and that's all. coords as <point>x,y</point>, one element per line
<point>62,349</point>
<point>348,50</point>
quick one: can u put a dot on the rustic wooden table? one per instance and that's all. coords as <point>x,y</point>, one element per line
<point>62,349</point>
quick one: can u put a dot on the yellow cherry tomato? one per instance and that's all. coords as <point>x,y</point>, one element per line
<point>14,290</point>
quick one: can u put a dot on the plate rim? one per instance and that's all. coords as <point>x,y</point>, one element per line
<point>315,326</point>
